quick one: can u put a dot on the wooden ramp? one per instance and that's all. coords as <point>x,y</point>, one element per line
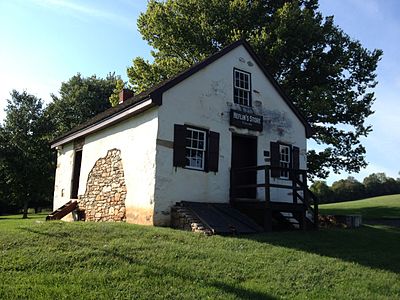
<point>64,210</point>
<point>222,218</point>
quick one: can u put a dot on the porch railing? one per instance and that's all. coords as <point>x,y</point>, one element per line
<point>297,182</point>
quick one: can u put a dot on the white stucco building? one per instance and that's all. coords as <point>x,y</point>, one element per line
<point>180,140</point>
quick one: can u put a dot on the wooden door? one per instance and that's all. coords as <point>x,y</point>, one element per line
<point>244,154</point>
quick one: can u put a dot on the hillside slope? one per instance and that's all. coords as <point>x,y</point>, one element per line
<point>370,208</point>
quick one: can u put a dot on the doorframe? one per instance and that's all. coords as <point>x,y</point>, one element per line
<point>244,136</point>
<point>252,137</point>
<point>76,173</point>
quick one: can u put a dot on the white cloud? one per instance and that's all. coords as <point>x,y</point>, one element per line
<point>78,10</point>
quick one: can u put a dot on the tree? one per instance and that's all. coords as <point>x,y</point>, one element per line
<point>348,189</point>
<point>26,160</point>
<point>374,184</point>
<point>327,74</point>
<point>114,98</point>
<point>378,184</point>
<point>322,191</point>
<point>80,99</point>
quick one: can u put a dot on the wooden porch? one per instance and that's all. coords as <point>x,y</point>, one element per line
<point>298,211</point>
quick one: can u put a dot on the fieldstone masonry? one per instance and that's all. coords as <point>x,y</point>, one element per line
<point>183,218</point>
<point>104,198</point>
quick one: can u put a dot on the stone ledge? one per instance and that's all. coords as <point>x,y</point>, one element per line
<point>183,218</point>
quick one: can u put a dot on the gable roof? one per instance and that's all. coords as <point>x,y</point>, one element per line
<point>153,97</point>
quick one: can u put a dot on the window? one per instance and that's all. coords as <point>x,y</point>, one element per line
<point>242,88</point>
<point>195,148</point>
<point>284,160</point>
<point>283,156</point>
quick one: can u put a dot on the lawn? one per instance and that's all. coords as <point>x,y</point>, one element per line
<point>371,208</point>
<point>58,260</point>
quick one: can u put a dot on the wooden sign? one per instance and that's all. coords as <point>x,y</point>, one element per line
<point>246,120</point>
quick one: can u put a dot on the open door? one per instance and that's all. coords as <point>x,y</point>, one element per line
<point>244,154</point>
<point>76,174</point>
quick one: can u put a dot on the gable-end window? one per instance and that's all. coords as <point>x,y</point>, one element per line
<point>241,87</point>
<point>195,148</point>
<point>284,160</point>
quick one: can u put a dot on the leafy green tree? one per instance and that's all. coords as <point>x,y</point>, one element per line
<point>348,189</point>
<point>114,98</point>
<point>327,74</point>
<point>378,184</point>
<point>26,160</point>
<point>80,99</point>
<point>322,191</point>
<point>391,186</point>
<point>374,184</point>
<point>7,203</point>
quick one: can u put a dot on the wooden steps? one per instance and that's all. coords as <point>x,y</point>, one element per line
<point>284,215</point>
<point>62,211</point>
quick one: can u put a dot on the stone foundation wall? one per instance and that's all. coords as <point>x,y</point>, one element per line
<point>104,198</point>
<point>183,218</point>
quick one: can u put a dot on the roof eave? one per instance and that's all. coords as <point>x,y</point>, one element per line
<point>130,111</point>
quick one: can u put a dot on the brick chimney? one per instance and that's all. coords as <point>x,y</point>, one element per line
<point>125,94</point>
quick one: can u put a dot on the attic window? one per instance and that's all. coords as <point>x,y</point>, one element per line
<point>241,87</point>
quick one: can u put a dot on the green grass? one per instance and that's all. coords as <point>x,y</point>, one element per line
<point>371,208</point>
<point>58,260</point>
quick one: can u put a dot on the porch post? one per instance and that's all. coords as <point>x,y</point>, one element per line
<point>294,185</point>
<point>268,211</point>
<point>231,187</point>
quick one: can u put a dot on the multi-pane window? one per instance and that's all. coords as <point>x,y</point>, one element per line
<point>284,160</point>
<point>195,148</point>
<point>241,91</point>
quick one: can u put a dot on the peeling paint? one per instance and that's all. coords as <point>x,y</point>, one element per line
<point>277,122</point>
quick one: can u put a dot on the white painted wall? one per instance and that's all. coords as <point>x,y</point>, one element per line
<point>136,138</point>
<point>62,185</point>
<point>204,100</point>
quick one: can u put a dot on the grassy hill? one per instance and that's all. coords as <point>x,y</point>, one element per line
<point>49,260</point>
<point>371,208</point>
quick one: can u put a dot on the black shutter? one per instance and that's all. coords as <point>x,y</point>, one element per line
<point>275,159</point>
<point>213,151</point>
<point>296,158</point>
<point>179,145</point>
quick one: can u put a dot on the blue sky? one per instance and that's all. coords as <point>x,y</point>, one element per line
<point>45,42</point>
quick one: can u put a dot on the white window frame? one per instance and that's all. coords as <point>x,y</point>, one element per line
<point>193,148</point>
<point>284,160</point>
<point>240,86</point>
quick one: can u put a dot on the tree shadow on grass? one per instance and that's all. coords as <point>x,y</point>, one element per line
<point>155,270</point>
<point>372,246</point>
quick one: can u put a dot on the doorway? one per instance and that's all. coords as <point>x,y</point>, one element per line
<point>244,154</point>
<point>76,174</point>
